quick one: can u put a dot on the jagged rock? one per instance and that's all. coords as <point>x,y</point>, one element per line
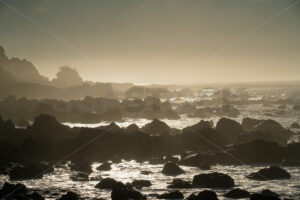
<point>178,183</point>
<point>122,192</point>
<point>213,180</point>
<point>262,197</point>
<point>156,127</point>
<point>204,166</point>
<point>107,183</point>
<point>229,128</point>
<point>237,193</point>
<point>141,183</point>
<point>171,195</point>
<point>104,167</point>
<point>290,163</point>
<point>271,173</point>
<point>249,124</point>
<point>70,196</point>
<point>171,169</point>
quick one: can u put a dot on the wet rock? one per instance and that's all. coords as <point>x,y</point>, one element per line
<point>178,183</point>
<point>172,169</point>
<point>35,196</point>
<point>295,125</point>
<point>12,189</point>
<point>70,196</point>
<point>262,197</point>
<point>229,128</point>
<point>80,176</point>
<point>132,128</point>
<point>104,167</point>
<point>204,166</point>
<point>271,173</point>
<point>194,160</point>
<point>269,193</point>
<point>122,192</point>
<point>141,183</point>
<point>171,195</point>
<point>156,127</point>
<point>107,183</point>
<point>213,180</point>
<point>237,193</point>
<point>249,124</point>
<point>207,195</point>
<point>81,167</point>
<point>290,163</point>
<point>29,172</point>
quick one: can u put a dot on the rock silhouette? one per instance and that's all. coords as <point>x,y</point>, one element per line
<point>271,173</point>
<point>172,169</point>
<point>213,180</point>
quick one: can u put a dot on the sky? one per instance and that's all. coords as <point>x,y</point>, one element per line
<point>157,41</point>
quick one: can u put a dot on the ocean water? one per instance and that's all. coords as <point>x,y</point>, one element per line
<point>59,181</point>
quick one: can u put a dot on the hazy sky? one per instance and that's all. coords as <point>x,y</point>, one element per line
<point>161,41</point>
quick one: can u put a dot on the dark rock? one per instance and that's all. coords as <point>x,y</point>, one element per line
<point>249,124</point>
<point>213,180</point>
<point>80,176</point>
<point>192,160</point>
<point>132,128</point>
<point>262,197</point>
<point>81,167</point>
<point>269,193</point>
<point>104,167</point>
<point>271,173</point>
<point>29,172</point>
<point>237,193</point>
<point>156,127</point>
<point>295,125</point>
<point>229,128</point>
<point>12,189</point>
<point>141,183</point>
<point>207,195</point>
<point>204,166</point>
<point>70,196</point>
<point>35,196</point>
<point>178,183</point>
<point>171,169</point>
<point>107,183</point>
<point>122,192</point>
<point>171,195</point>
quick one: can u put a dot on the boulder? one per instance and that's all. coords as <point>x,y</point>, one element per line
<point>107,183</point>
<point>213,180</point>
<point>104,167</point>
<point>207,195</point>
<point>271,173</point>
<point>178,183</point>
<point>193,160</point>
<point>13,189</point>
<point>248,124</point>
<point>141,183</point>
<point>122,192</point>
<point>132,128</point>
<point>171,195</point>
<point>172,169</point>
<point>269,193</point>
<point>70,196</point>
<point>237,193</point>
<point>229,128</point>
<point>29,172</point>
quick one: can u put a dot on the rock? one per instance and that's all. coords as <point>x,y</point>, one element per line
<point>204,166</point>
<point>29,172</point>
<point>22,123</point>
<point>178,183</point>
<point>290,163</point>
<point>132,128</point>
<point>122,192</point>
<point>70,196</point>
<point>35,196</point>
<point>156,127</point>
<point>13,189</point>
<point>107,183</point>
<point>262,197</point>
<point>171,169</point>
<point>229,128</point>
<point>141,183</point>
<point>269,193</point>
<point>104,167</point>
<point>192,160</point>
<point>271,173</point>
<point>295,125</point>
<point>81,167</point>
<point>248,124</point>
<point>207,195</point>
<point>171,195</point>
<point>237,193</point>
<point>213,180</point>
<point>80,176</point>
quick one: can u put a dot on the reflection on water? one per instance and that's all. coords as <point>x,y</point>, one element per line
<point>126,171</point>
